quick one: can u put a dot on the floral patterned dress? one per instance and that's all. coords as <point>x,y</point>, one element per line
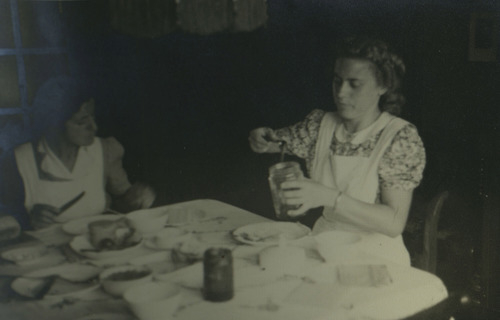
<point>388,154</point>
<point>402,164</point>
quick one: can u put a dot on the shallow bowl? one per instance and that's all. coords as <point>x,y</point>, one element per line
<point>148,221</point>
<point>118,279</point>
<point>153,300</point>
<point>337,246</point>
<point>25,255</point>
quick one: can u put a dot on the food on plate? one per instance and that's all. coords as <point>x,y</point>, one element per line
<point>189,251</point>
<point>116,280</point>
<point>50,287</point>
<point>32,288</point>
<point>265,233</point>
<point>260,238</point>
<point>128,275</point>
<point>23,255</point>
<point>179,216</point>
<point>111,235</point>
<point>74,272</point>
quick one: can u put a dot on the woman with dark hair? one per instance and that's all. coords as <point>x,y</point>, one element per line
<point>66,172</point>
<point>363,161</point>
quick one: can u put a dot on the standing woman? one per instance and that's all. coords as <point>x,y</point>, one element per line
<point>364,161</point>
<point>65,162</point>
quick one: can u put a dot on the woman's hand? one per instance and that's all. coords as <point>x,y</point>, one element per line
<point>141,195</point>
<point>138,196</point>
<point>264,140</point>
<point>43,215</point>
<point>308,194</point>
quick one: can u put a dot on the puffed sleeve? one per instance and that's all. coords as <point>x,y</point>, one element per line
<point>403,162</point>
<point>301,137</point>
<point>117,182</point>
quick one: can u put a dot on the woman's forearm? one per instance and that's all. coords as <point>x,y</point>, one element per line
<point>388,218</point>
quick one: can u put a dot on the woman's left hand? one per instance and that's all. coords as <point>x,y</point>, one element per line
<point>306,193</point>
<point>142,195</point>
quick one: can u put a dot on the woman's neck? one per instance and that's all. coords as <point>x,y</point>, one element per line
<point>356,125</point>
<point>65,151</point>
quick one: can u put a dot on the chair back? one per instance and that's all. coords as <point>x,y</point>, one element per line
<point>429,255</point>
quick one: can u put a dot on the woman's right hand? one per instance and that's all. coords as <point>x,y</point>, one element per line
<point>43,215</point>
<point>264,140</point>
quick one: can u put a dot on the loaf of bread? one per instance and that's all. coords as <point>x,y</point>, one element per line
<point>110,234</point>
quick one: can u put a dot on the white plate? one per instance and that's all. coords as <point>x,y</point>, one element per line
<point>81,226</point>
<point>270,233</point>
<point>26,254</point>
<point>107,316</point>
<point>81,245</point>
<point>70,271</point>
<point>59,288</point>
<point>34,256</point>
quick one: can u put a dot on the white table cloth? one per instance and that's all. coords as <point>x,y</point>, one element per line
<point>314,292</point>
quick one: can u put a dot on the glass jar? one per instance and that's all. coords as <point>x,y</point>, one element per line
<point>218,274</point>
<point>279,173</point>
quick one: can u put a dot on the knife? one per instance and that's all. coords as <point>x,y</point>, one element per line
<point>71,202</point>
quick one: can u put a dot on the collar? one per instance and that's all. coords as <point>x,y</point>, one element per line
<point>344,136</point>
<point>50,164</point>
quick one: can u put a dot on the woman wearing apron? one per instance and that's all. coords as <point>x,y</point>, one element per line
<point>67,172</point>
<point>363,161</point>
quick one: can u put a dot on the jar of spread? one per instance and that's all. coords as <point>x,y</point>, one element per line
<point>279,173</point>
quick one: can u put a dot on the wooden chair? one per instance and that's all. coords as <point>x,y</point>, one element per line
<point>428,257</point>
<point>457,305</point>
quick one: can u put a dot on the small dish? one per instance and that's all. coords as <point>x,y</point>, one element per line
<point>81,245</point>
<point>118,279</point>
<point>81,226</point>
<point>69,271</point>
<point>270,233</point>
<point>51,288</point>
<point>148,221</point>
<point>153,300</point>
<point>337,245</point>
<point>27,255</point>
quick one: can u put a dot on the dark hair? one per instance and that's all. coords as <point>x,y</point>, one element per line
<point>55,102</point>
<point>390,68</point>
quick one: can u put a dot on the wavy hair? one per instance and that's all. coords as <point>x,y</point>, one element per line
<point>55,102</point>
<point>390,68</point>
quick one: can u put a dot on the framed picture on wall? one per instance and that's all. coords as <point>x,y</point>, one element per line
<point>483,37</point>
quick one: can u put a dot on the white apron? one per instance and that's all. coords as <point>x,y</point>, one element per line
<point>87,176</point>
<point>357,177</point>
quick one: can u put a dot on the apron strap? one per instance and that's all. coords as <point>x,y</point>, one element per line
<point>325,135</point>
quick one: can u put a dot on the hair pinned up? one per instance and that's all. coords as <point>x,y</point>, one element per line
<point>390,68</point>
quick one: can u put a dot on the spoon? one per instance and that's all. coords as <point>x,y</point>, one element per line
<point>283,149</point>
<point>281,143</point>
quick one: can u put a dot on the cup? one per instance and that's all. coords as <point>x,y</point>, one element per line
<point>279,173</point>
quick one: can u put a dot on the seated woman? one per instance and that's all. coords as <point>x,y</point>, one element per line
<point>364,161</point>
<point>67,172</point>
